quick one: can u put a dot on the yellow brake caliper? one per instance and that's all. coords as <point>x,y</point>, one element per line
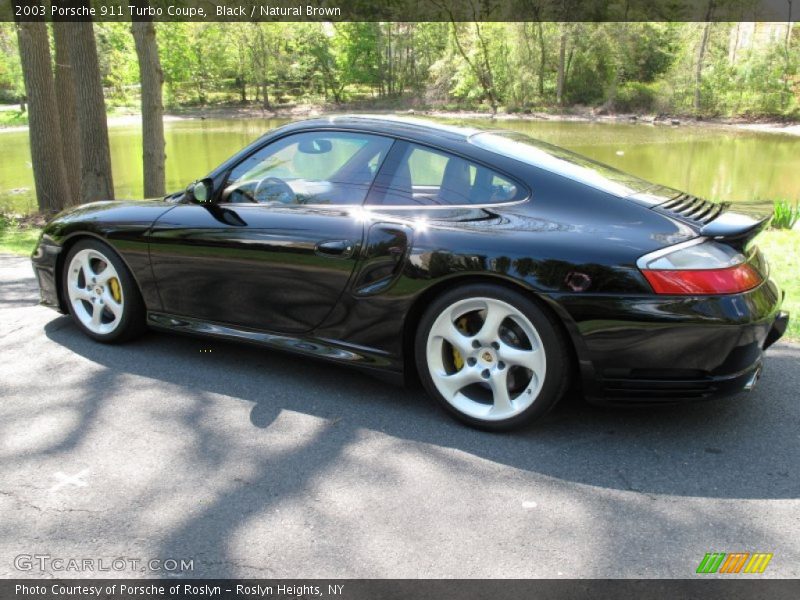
<point>458,360</point>
<point>115,290</point>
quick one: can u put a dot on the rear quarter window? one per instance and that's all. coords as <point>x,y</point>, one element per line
<point>423,176</point>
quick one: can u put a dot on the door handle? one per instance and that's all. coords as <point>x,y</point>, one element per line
<point>335,248</point>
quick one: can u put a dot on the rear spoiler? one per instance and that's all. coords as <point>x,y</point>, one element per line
<point>734,228</point>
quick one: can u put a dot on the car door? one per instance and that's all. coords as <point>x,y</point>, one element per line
<point>276,249</point>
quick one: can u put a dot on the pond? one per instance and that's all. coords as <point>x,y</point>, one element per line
<point>745,167</point>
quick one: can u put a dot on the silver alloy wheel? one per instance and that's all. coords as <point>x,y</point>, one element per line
<point>486,358</point>
<point>95,291</point>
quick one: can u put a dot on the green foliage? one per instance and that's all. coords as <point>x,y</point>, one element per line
<point>785,215</point>
<point>782,250</point>
<point>119,67</point>
<point>633,96</point>
<point>11,85</point>
<point>11,118</point>
<point>749,69</point>
<point>647,50</point>
<point>16,238</point>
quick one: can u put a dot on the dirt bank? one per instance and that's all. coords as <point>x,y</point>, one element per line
<point>580,115</point>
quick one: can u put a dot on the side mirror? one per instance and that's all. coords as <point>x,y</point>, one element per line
<point>201,190</point>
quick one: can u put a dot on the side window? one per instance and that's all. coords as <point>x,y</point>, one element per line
<point>424,176</point>
<point>309,168</point>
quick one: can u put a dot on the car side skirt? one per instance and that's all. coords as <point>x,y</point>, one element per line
<point>372,360</point>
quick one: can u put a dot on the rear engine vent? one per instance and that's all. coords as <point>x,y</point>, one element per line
<point>692,209</point>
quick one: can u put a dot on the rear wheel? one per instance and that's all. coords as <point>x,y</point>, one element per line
<point>491,356</point>
<point>101,293</point>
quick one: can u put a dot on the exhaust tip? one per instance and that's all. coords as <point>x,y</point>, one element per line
<point>751,383</point>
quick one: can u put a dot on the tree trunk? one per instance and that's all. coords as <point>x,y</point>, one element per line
<point>152,80</point>
<point>264,95</point>
<point>733,43</point>
<point>698,72</point>
<point>562,55</point>
<point>542,57</point>
<point>786,92</point>
<point>67,109</point>
<point>487,66</point>
<point>49,173</point>
<point>483,78</point>
<point>96,180</point>
<point>618,33</point>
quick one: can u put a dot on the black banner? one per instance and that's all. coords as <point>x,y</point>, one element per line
<point>401,10</point>
<point>397,589</point>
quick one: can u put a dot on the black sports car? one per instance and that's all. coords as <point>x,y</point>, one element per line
<point>495,268</point>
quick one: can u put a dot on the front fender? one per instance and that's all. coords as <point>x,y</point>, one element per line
<point>123,225</point>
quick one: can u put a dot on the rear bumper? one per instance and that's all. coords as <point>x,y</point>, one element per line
<point>634,391</point>
<point>778,329</point>
<point>655,350</point>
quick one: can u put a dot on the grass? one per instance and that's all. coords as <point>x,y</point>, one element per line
<point>12,118</point>
<point>782,248</point>
<point>15,239</point>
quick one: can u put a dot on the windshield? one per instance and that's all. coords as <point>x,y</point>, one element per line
<point>563,162</point>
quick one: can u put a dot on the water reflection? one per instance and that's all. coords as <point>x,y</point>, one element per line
<point>711,162</point>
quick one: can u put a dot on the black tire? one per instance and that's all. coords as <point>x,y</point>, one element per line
<point>132,321</point>
<point>552,340</point>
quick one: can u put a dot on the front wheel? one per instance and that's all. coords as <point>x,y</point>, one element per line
<point>491,356</point>
<point>101,294</point>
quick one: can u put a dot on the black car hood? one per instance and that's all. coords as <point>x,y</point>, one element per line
<point>98,217</point>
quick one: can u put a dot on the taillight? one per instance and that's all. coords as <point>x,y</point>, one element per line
<point>698,267</point>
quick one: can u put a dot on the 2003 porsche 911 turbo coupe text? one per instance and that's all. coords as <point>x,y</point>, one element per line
<point>494,268</point>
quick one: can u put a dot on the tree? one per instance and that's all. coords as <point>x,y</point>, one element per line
<point>698,71</point>
<point>152,80</point>
<point>562,63</point>
<point>787,60</point>
<point>49,172</point>
<point>479,65</point>
<point>96,179</point>
<point>12,87</point>
<point>116,53</point>
<point>324,62</point>
<point>542,58</point>
<point>67,109</point>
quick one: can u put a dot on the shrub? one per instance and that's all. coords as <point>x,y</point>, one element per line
<point>633,96</point>
<point>785,215</point>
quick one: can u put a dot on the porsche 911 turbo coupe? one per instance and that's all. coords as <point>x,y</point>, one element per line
<point>494,268</point>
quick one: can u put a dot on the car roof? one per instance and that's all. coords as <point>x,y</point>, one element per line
<point>503,145</point>
<point>410,127</point>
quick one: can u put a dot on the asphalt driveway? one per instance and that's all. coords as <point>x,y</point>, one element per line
<point>253,463</point>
